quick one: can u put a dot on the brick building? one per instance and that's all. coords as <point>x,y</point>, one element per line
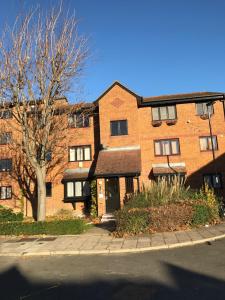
<point>126,142</point>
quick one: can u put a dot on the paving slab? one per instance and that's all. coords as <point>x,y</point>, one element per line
<point>106,243</point>
<point>182,236</point>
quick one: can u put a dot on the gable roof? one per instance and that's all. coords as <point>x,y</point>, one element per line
<point>111,86</point>
<point>167,99</point>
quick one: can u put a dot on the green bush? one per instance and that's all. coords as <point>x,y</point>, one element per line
<point>75,226</point>
<point>7,215</point>
<point>132,221</point>
<point>160,193</point>
<point>201,214</point>
<point>207,209</point>
<point>94,206</point>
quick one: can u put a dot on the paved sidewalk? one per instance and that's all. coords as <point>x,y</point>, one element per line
<point>100,242</point>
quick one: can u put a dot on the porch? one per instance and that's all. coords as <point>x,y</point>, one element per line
<point>117,172</point>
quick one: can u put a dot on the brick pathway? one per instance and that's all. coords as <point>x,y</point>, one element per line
<point>100,242</point>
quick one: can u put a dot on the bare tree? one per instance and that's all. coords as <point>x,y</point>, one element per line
<point>39,58</point>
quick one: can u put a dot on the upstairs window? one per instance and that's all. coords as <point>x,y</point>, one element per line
<point>5,192</point>
<point>78,120</point>
<point>5,138</point>
<point>164,113</point>
<point>207,144</point>
<point>118,127</point>
<point>213,180</point>
<point>77,189</point>
<point>203,109</point>
<point>80,153</point>
<point>167,147</point>
<point>5,165</point>
<point>6,114</point>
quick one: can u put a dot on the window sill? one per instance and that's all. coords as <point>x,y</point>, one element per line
<point>119,135</point>
<point>73,127</point>
<point>164,155</point>
<point>202,151</point>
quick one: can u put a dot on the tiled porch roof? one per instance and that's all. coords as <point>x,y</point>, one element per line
<point>79,173</point>
<point>168,170</point>
<point>120,162</point>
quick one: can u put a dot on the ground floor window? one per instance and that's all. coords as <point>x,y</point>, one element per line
<point>48,189</point>
<point>213,180</point>
<point>171,178</point>
<point>5,192</point>
<point>77,189</point>
<point>129,184</point>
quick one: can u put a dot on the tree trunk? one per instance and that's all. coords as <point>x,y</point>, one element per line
<point>41,207</point>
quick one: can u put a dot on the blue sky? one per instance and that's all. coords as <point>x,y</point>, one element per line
<point>152,46</point>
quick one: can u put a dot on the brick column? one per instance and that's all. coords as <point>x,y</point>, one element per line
<point>122,191</point>
<point>101,196</point>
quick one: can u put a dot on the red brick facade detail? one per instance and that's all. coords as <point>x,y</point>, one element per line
<point>118,103</point>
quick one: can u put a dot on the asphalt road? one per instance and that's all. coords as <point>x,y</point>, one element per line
<point>196,272</point>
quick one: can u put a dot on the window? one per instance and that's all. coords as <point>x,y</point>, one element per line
<point>203,108</point>
<point>167,147</point>
<point>80,153</point>
<point>77,189</point>
<point>207,144</point>
<point>5,138</point>
<point>118,127</point>
<point>164,113</point>
<point>5,165</point>
<point>78,120</point>
<point>213,180</point>
<point>48,186</point>
<point>5,114</point>
<point>129,184</point>
<point>5,192</point>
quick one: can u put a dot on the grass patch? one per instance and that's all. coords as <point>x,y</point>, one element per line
<point>60,227</point>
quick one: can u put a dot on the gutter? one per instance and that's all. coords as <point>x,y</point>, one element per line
<point>180,101</point>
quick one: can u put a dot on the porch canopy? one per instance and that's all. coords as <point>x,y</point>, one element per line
<point>112,163</point>
<point>76,174</point>
<point>170,169</point>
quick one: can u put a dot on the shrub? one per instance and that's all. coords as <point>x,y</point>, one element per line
<point>201,214</point>
<point>93,209</point>
<point>170,217</point>
<point>7,215</point>
<point>132,221</point>
<point>207,208</point>
<point>75,226</point>
<point>160,193</point>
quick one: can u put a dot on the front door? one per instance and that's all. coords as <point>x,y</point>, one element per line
<point>112,194</point>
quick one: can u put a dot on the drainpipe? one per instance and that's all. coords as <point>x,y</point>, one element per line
<point>210,129</point>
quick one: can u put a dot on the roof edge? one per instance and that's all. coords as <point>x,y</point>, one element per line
<point>218,96</point>
<point>111,86</point>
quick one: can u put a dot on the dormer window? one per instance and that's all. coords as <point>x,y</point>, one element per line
<point>203,108</point>
<point>163,113</point>
<point>78,120</point>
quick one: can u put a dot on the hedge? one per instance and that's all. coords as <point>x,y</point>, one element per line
<point>61,227</point>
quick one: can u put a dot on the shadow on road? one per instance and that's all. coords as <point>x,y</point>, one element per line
<point>186,285</point>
